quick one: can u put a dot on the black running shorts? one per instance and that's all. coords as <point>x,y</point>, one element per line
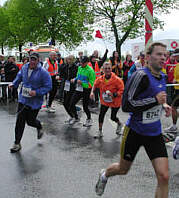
<point>132,141</point>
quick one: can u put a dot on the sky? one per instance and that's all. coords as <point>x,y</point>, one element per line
<point>170,31</point>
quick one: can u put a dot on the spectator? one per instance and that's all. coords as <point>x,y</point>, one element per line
<point>139,64</point>
<point>116,64</point>
<point>11,70</point>
<point>126,67</point>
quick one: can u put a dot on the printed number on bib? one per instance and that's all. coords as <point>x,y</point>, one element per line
<point>25,91</point>
<point>79,88</point>
<point>152,115</point>
<point>67,85</point>
<point>106,97</point>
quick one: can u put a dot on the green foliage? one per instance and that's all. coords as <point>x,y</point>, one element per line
<point>63,21</point>
<point>4,30</point>
<point>37,21</point>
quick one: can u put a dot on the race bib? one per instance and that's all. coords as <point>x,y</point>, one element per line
<point>67,85</point>
<point>25,91</point>
<point>107,98</point>
<point>79,87</point>
<point>152,115</point>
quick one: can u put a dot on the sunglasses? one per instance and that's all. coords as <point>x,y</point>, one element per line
<point>107,68</point>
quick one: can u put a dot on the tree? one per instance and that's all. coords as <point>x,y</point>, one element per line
<point>4,30</point>
<point>22,29</point>
<point>62,21</point>
<point>125,18</point>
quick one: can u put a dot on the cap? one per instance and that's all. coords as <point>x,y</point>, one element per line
<point>34,55</point>
<point>84,59</point>
<point>176,52</point>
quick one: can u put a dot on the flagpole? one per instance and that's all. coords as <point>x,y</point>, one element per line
<point>148,23</point>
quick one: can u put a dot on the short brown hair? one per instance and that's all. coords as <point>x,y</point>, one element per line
<point>152,46</point>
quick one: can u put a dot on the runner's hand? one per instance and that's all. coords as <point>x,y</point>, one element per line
<point>32,93</point>
<point>10,86</point>
<point>79,82</point>
<point>72,80</point>
<point>57,77</point>
<point>161,97</point>
<point>168,109</point>
<point>92,95</point>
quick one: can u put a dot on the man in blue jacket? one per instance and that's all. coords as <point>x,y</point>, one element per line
<point>36,82</point>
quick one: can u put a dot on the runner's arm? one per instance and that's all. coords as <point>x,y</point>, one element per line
<point>139,83</point>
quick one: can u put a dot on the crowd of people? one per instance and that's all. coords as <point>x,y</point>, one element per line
<point>138,86</point>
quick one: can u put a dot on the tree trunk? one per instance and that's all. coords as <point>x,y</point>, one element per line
<point>118,43</point>
<point>118,49</point>
<point>53,41</point>
<point>2,48</point>
<point>20,52</point>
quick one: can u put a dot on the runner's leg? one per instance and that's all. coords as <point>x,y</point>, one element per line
<point>161,169</point>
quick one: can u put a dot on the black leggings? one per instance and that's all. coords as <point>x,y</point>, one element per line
<point>103,111</point>
<point>76,97</point>
<point>25,114</point>
<point>67,99</point>
<point>53,92</point>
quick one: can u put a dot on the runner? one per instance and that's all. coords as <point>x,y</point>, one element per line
<point>51,65</point>
<point>170,66</point>
<point>175,102</point>
<point>68,72</point>
<point>111,89</point>
<point>36,82</point>
<point>144,96</point>
<point>85,80</point>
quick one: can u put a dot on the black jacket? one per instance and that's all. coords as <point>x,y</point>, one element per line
<point>11,71</point>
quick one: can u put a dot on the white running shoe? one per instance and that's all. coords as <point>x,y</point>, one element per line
<point>100,186</point>
<point>51,110</point>
<point>171,129</point>
<point>88,123</point>
<point>99,134</point>
<point>119,129</point>
<point>74,121</point>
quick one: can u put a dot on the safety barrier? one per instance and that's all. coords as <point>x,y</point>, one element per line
<point>2,84</point>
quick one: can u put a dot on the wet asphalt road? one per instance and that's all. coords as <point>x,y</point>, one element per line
<point>66,162</point>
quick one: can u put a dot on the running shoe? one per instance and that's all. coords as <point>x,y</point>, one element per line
<point>51,110</point>
<point>98,134</point>
<point>171,129</point>
<point>88,123</point>
<point>176,149</point>
<point>15,148</point>
<point>74,121</point>
<point>119,129</point>
<point>100,186</point>
<point>168,137</point>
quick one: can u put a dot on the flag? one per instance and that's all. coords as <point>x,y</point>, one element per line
<point>98,34</point>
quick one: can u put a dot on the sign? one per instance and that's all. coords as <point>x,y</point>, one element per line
<point>174,44</point>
